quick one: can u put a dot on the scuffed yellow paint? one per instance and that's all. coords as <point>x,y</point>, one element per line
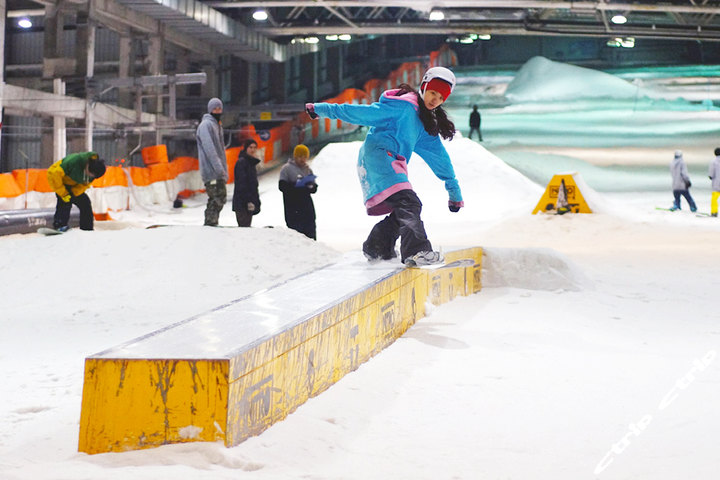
<point>133,404</point>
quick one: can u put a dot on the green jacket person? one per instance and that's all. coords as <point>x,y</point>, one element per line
<point>69,178</point>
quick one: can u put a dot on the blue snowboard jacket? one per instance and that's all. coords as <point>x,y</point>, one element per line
<point>395,133</point>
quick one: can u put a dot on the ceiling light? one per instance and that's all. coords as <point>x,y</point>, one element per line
<point>619,19</point>
<point>260,15</point>
<point>485,36</point>
<point>627,42</point>
<point>345,37</point>
<point>312,39</point>
<point>24,23</point>
<point>331,38</point>
<point>436,15</point>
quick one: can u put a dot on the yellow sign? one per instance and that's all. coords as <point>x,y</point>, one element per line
<point>265,115</point>
<point>563,195</point>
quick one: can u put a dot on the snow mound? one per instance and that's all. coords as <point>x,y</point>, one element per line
<point>491,188</point>
<point>540,79</point>
<point>532,269</point>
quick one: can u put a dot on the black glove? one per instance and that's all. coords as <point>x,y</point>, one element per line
<point>455,206</point>
<point>310,109</point>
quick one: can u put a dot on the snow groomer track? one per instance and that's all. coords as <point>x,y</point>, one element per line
<point>230,373</point>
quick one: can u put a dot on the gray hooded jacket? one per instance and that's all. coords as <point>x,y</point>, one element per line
<point>211,150</point>
<point>714,174</point>
<point>679,171</point>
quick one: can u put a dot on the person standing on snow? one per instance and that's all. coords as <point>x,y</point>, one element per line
<point>69,178</point>
<point>475,123</point>
<point>213,163</point>
<point>246,198</point>
<point>714,174</point>
<point>681,182</point>
<point>297,183</point>
<point>403,121</point>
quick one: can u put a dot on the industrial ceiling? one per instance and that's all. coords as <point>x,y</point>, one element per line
<point>229,25</point>
<point>678,19</point>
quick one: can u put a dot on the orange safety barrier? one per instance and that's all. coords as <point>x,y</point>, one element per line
<point>154,154</point>
<point>160,172</point>
<point>232,155</point>
<point>36,180</point>
<point>140,176</point>
<point>8,186</point>
<point>114,177</point>
<point>102,217</point>
<point>185,164</point>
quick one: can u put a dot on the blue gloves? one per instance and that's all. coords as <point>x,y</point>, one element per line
<point>310,110</point>
<point>305,181</point>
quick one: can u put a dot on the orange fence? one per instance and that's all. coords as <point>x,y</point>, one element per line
<point>272,144</point>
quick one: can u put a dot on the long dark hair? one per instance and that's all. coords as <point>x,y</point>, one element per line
<point>436,122</point>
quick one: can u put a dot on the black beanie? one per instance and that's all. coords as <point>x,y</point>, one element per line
<point>96,167</point>
<point>717,151</point>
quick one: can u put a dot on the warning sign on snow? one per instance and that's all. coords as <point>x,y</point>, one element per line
<point>562,195</point>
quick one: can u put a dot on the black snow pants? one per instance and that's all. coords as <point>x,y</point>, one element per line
<point>62,212</point>
<point>403,222</point>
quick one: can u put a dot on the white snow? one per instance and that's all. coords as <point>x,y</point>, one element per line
<point>590,353</point>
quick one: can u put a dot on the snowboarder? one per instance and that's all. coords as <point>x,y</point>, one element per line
<point>680,182</point>
<point>69,178</point>
<point>403,121</point>
<point>714,175</point>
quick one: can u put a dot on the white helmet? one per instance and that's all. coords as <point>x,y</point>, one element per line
<point>442,73</point>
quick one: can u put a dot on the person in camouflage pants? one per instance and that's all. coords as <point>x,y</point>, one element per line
<point>213,163</point>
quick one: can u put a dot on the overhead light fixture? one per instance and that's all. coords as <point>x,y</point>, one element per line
<point>345,37</point>
<point>619,19</point>
<point>260,15</point>
<point>436,15</point>
<point>485,36</point>
<point>312,39</point>
<point>627,42</point>
<point>24,23</point>
<point>331,38</point>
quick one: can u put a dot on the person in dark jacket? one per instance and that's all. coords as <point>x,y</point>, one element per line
<point>69,178</point>
<point>297,183</point>
<point>246,199</point>
<point>475,123</point>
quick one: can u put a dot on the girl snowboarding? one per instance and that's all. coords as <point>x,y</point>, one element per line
<point>402,122</point>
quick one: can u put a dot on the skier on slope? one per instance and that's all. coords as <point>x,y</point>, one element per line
<point>680,182</point>
<point>403,121</point>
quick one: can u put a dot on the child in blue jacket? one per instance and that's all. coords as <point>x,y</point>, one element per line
<point>402,122</point>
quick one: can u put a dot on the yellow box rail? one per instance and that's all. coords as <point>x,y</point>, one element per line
<point>230,373</point>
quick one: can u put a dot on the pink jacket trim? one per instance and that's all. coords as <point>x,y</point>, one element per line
<point>375,205</point>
